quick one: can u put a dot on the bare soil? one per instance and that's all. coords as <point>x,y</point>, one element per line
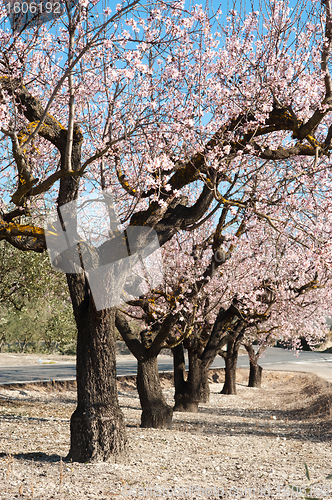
<point>19,359</point>
<point>252,445</point>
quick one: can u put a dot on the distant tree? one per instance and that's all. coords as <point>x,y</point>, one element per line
<point>34,302</point>
<point>269,290</point>
<point>23,276</point>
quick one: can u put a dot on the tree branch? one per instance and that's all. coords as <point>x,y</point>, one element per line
<point>133,344</point>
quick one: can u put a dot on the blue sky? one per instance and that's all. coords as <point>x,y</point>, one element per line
<point>241,6</point>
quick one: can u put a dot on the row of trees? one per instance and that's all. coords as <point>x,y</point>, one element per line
<point>214,132</point>
<point>252,300</point>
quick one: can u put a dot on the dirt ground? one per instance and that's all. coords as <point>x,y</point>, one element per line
<point>248,446</point>
<point>13,359</point>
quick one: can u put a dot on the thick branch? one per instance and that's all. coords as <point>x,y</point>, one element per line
<point>18,212</point>
<point>285,153</point>
<point>31,107</point>
<point>177,216</point>
<point>219,332</point>
<point>10,229</point>
<point>23,237</point>
<point>163,333</point>
<point>131,341</point>
<point>27,244</point>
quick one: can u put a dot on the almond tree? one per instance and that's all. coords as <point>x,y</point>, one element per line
<point>100,114</point>
<point>271,288</point>
<point>180,115</point>
<point>289,300</point>
<point>266,288</point>
<point>288,319</point>
<point>168,312</point>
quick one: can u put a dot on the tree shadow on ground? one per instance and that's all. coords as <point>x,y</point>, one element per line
<point>129,407</point>
<point>37,456</point>
<point>303,432</point>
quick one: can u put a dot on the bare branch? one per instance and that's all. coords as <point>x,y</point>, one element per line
<point>70,131</point>
<point>73,64</point>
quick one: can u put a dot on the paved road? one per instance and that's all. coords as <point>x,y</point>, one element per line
<point>309,362</point>
<point>274,359</point>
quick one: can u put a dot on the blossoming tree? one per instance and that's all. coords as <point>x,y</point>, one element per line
<point>183,116</point>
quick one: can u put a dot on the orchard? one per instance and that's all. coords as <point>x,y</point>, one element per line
<point>210,129</point>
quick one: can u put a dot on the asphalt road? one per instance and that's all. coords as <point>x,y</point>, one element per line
<point>274,359</point>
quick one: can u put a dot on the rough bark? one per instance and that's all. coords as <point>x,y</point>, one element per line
<point>180,382</point>
<point>97,430</point>
<point>156,412</point>
<point>205,386</point>
<point>196,389</point>
<point>189,393</point>
<point>230,358</point>
<point>255,375</point>
<point>97,426</point>
<point>219,335</point>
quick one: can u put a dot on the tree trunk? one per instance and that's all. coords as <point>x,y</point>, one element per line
<point>97,427</point>
<point>304,344</point>
<point>205,386</point>
<point>97,430</point>
<point>188,394</point>
<point>156,412</point>
<point>2,341</point>
<point>23,345</point>
<point>255,375</point>
<point>180,384</point>
<point>230,368</point>
<point>191,397</point>
<point>54,347</point>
